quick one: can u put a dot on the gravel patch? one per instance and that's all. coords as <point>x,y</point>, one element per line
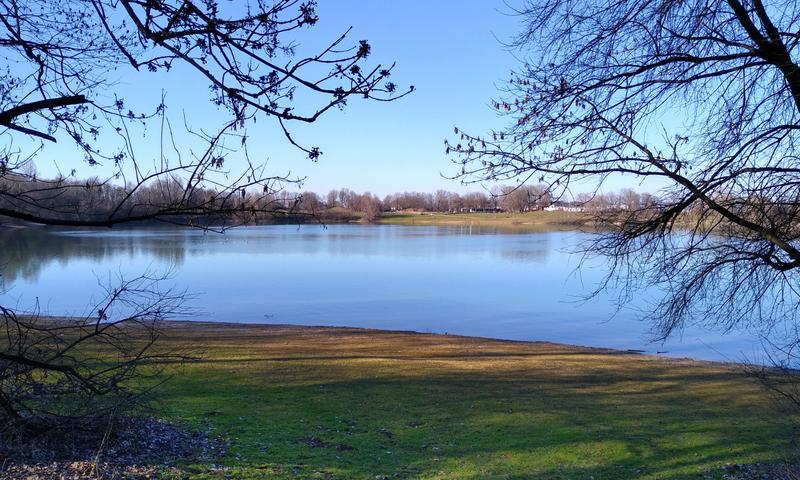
<point>128,448</point>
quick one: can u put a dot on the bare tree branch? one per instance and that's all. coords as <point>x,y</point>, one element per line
<point>701,98</point>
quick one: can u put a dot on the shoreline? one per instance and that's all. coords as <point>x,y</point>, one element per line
<point>588,349</point>
<point>534,221</point>
<point>538,220</point>
<point>202,325</point>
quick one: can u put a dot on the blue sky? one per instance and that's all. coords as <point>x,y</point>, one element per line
<point>449,50</point>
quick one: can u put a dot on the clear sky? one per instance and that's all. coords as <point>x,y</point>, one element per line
<point>450,50</point>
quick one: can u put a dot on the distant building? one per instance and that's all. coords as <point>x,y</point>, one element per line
<point>565,207</point>
<point>482,210</point>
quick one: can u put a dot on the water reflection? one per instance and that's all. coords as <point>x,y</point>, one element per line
<point>26,252</point>
<point>459,279</point>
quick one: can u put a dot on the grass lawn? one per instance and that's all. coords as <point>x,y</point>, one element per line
<point>326,403</point>
<point>527,221</point>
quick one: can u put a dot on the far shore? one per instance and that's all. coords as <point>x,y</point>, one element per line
<point>526,221</point>
<point>556,220</point>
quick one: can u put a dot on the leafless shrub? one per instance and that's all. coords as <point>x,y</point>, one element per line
<point>75,372</point>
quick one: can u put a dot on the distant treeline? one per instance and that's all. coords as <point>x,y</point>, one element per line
<point>65,200</point>
<point>516,199</point>
<point>69,199</point>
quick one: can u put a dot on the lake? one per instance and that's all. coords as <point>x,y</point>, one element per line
<point>456,280</point>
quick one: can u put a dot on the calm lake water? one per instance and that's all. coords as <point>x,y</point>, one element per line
<point>457,280</point>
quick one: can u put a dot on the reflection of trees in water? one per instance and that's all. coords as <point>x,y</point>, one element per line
<point>510,244</point>
<point>537,254</point>
<point>24,252</point>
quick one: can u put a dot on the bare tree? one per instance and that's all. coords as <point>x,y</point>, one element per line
<point>310,202</point>
<point>332,198</point>
<point>523,198</point>
<point>58,64</point>
<point>441,200</point>
<point>700,98</point>
<point>369,205</point>
<point>60,60</point>
<point>476,201</point>
<point>514,199</point>
<point>54,370</point>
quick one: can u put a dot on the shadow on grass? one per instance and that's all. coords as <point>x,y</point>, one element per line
<point>657,421</point>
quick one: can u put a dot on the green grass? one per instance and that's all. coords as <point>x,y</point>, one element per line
<point>400,405</point>
<point>524,221</point>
